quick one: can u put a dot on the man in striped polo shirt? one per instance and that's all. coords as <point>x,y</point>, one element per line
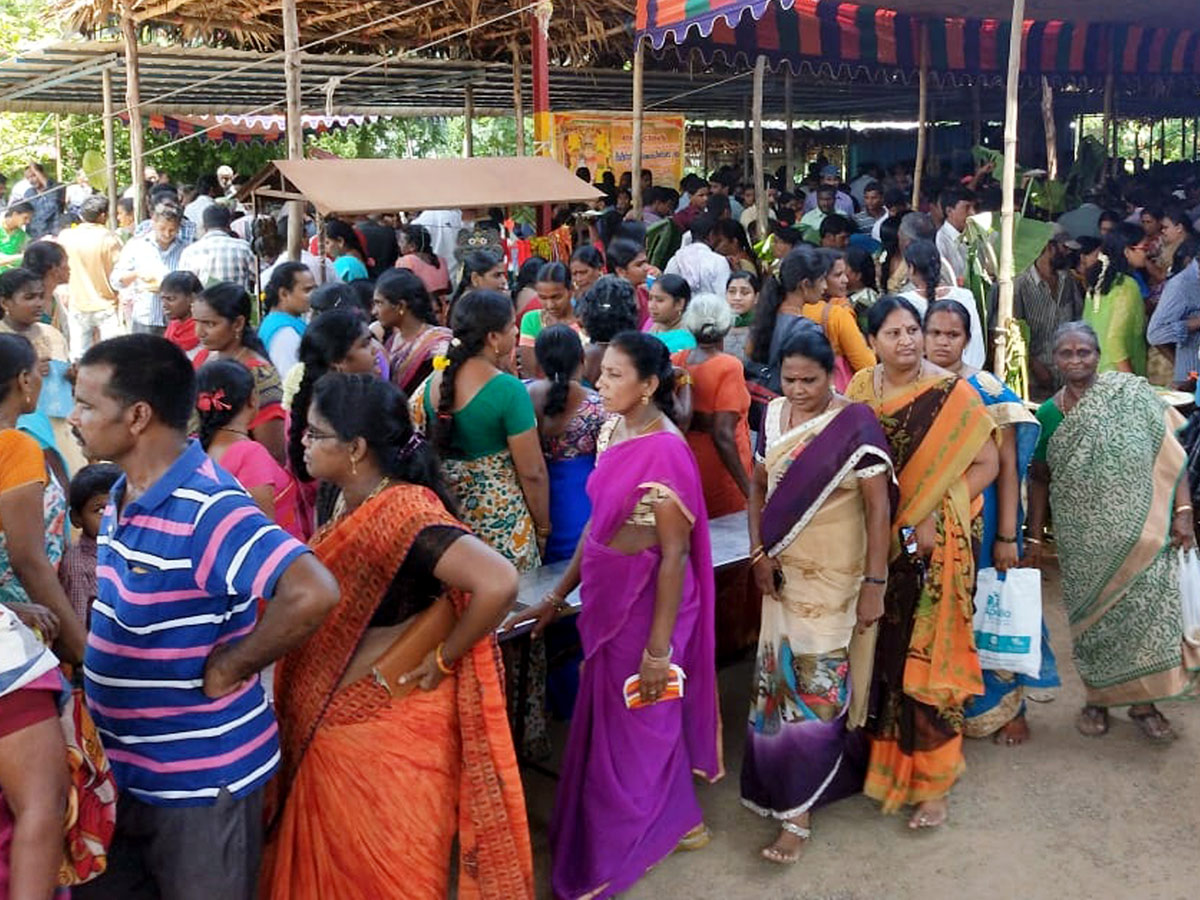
<point>174,650</point>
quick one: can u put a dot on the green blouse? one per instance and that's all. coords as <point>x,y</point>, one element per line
<point>1119,318</point>
<point>1050,417</point>
<point>501,409</point>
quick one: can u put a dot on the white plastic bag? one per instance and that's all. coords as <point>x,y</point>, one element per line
<point>1189,594</point>
<point>1008,620</point>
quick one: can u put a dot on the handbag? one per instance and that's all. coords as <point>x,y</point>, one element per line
<point>92,798</point>
<point>428,630</point>
<point>1189,594</point>
<point>842,373</point>
<point>1008,620</point>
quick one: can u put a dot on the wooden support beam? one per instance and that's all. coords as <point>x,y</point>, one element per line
<point>540,65</point>
<point>469,121</point>
<point>295,126</point>
<point>760,163</point>
<point>110,149</point>
<point>518,96</point>
<point>922,109</point>
<point>133,102</point>
<point>639,66</point>
<point>1050,129</point>
<point>1009,188</point>
<point>789,135</point>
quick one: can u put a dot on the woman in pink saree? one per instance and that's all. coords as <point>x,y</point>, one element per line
<point>626,798</point>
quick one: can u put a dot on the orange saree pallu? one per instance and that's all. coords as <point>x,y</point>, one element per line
<point>926,664</point>
<point>372,791</point>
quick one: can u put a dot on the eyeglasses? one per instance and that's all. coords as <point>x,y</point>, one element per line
<point>312,435</point>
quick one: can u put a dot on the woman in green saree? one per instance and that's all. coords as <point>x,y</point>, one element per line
<point>1108,436</point>
<point>1114,305</point>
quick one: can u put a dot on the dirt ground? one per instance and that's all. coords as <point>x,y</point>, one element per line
<point>1060,818</point>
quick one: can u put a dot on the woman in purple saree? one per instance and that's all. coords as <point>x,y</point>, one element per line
<point>626,797</point>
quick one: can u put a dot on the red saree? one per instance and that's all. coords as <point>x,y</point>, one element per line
<point>372,791</point>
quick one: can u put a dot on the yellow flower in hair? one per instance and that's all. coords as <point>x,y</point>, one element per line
<point>440,362</point>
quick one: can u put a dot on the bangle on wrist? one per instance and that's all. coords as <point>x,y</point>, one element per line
<point>657,661</point>
<point>1187,507</point>
<point>555,600</point>
<point>439,657</point>
<point>867,579</point>
<point>1005,539</point>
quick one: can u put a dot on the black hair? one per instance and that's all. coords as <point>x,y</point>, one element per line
<point>16,357</point>
<point>216,217</point>
<point>1109,215</point>
<point>702,227</point>
<point>419,239</point>
<point>236,387</point>
<point>477,262</point>
<point>42,256</point>
<point>148,369</point>
<point>181,282</point>
<point>835,224</point>
<point>207,184</point>
<point>21,206</point>
<point>1177,214</point>
<point>229,301</point>
<point>1114,245</point>
<point>650,358</point>
<point>335,295</point>
<point>827,189</point>
<point>475,316</point>
<point>327,340</point>
<point>398,286</point>
<point>743,275</point>
<point>527,274</point>
<point>607,308</point>
<point>622,252</point>
<point>554,273</point>
<point>802,264</point>
<point>283,277</point>
<point>954,307</point>
<point>787,234</point>
<point>677,287</point>
<point>873,186</point>
<point>884,307</point>
<point>363,406</point>
<point>91,481</point>
<point>15,279</point>
<point>895,196</point>
<point>559,351</point>
<point>338,230</point>
<point>951,197</point>
<point>924,259</point>
<point>889,234</point>
<point>810,343</point>
<point>860,261</point>
<point>1188,250</point>
<point>125,203</point>
<point>589,256</point>
<point>1153,211</point>
<point>718,205</point>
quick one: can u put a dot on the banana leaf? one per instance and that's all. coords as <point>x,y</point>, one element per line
<point>662,241</point>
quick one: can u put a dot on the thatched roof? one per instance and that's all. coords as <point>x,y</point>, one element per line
<point>582,32</point>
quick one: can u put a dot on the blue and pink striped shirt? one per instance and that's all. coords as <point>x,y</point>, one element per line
<point>178,574</point>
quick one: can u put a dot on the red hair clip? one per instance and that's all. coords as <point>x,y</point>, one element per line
<point>208,401</point>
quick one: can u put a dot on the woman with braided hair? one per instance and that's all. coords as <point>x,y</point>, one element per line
<point>392,729</point>
<point>226,404</point>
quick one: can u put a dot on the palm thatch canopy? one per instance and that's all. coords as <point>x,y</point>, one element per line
<point>581,32</point>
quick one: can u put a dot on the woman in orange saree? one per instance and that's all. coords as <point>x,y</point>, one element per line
<point>376,782</point>
<point>926,664</point>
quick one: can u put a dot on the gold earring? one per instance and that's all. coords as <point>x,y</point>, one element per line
<point>353,466</point>
<point>645,399</point>
<point>28,399</point>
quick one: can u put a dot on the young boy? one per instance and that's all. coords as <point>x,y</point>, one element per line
<point>77,571</point>
<point>177,292</point>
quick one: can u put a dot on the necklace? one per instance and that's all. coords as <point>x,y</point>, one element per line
<point>879,376</point>
<point>645,428</point>
<point>244,434</point>
<point>792,423</point>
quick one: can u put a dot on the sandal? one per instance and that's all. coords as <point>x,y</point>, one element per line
<point>1092,721</point>
<point>1154,725</point>
<point>775,855</point>
<point>696,839</point>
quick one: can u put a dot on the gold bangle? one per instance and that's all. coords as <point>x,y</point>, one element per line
<point>557,602</point>
<point>441,660</point>
<point>1187,507</point>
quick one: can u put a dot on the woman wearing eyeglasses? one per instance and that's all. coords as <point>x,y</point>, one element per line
<point>1114,305</point>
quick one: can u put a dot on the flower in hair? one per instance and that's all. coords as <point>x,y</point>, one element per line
<point>211,401</point>
<point>455,342</point>
<point>440,362</point>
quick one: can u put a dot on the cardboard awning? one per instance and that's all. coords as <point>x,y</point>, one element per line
<point>357,187</point>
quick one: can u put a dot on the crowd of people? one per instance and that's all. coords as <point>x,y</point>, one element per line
<point>217,462</point>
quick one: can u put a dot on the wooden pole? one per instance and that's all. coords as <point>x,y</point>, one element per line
<point>1195,138</point>
<point>922,108</point>
<point>58,160</point>
<point>789,134</point>
<point>469,121</point>
<point>540,70</point>
<point>1009,188</point>
<point>110,149</point>
<point>760,163</point>
<point>976,114</point>
<point>704,147</point>
<point>1162,140</point>
<point>1182,138</point>
<point>1110,132</point>
<point>1050,129</point>
<point>295,124</point>
<point>635,163</point>
<point>747,171</point>
<point>518,97</point>
<point>133,101</point>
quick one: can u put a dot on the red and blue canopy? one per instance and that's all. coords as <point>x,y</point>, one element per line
<point>834,35</point>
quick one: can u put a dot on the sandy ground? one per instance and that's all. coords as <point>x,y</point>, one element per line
<point>1062,817</point>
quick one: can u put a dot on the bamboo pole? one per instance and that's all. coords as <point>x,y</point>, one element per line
<point>922,108</point>
<point>58,160</point>
<point>1050,129</point>
<point>789,134</point>
<point>295,125</point>
<point>976,114</point>
<point>1162,140</point>
<point>133,101</point>
<point>760,163</point>
<point>746,154</point>
<point>469,121</point>
<point>518,97</point>
<point>704,147</point>
<point>110,149</point>
<point>1009,187</point>
<point>1110,131</point>
<point>639,62</point>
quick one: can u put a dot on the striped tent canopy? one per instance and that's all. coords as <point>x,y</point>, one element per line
<point>235,130</point>
<point>835,38</point>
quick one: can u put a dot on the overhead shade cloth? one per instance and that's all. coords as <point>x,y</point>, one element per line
<point>831,37</point>
<point>351,187</point>
<point>236,130</point>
